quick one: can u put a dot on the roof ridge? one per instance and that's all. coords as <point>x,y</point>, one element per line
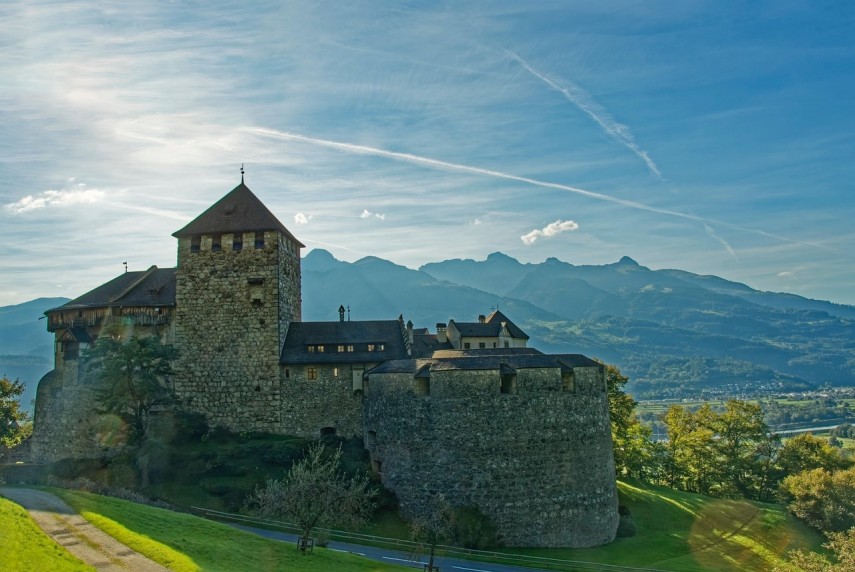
<point>134,284</point>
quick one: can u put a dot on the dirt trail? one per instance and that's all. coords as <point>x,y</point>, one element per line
<point>76,534</point>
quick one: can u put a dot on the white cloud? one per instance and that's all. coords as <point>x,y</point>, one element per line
<point>302,218</point>
<point>476,222</point>
<point>368,214</point>
<point>80,194</point>
<point>549,230</point>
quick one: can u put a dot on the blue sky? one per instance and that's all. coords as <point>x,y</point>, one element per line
<point>715,137</point>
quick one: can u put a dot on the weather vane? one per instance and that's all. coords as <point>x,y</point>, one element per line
<point>241,172</point>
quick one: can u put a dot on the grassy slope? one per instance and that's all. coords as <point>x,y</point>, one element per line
<point>688,532</point>
<point>24,547</point>
<point>187,543</point>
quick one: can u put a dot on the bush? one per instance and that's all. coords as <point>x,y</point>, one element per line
<point>473,529</point>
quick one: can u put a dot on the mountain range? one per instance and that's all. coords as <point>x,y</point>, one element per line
<point>675,333</point>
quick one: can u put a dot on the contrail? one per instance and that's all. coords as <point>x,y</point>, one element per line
<point>436,163</point>
<point>724,243</point>
<point>583,100</point>
<point>445,165</point>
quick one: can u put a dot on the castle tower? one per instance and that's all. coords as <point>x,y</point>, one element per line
<point>238,289</point>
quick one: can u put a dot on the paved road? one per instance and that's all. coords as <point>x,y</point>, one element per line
<point>77,535</point>
<point>396,557</point>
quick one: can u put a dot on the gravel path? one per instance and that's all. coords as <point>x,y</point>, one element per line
<point>76,534</point>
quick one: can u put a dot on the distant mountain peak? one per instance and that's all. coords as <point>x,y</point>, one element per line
<point>319,260</point>
<point>500,257</point>
<point>627,261</point>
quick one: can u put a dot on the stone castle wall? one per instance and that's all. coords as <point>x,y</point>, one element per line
<point>66,421</point>
<point>538,462</point>
<point>232,309</point>
<point>328,402</point>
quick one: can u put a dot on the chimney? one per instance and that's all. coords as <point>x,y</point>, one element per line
<point>482,319</point>
<point>441,335</point>
<point>341,313</point>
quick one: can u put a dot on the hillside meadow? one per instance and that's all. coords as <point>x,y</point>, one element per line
<point>676,531</point>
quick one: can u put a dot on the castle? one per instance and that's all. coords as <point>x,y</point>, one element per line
<point>469,411</point>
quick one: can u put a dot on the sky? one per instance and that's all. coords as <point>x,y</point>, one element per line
<point>713,137</point>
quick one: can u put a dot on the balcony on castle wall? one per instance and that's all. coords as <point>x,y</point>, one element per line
<point>76,322</point>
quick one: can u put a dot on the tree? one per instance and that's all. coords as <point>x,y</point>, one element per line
<point>433,525</point>
<point>804,452</point>
<point>314,492</point>
<point>825,500</point>
<point>840,544</point>
<point>136,374</point>
<point>12,420</point>
<point>742,446</point>
<point>633,448</point>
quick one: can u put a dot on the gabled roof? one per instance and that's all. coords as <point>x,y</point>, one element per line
<point>152,287</point>
<point>489,328</point>
<point>332,334</point>
<point>239,211</point>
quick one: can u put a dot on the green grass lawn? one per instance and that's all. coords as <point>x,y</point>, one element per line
<point>187,543</point>
<point>688,532</point>
<point>25,548</point>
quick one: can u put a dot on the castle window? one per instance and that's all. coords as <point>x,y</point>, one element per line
<point>507,344</point>
<point>216,243</point>
<point>311,373</point>
<point>335,372</point>
<point>381,347</point>
<point>259,240</point>
<point>568,381</point>
<point>195,243</point>
<point>482,345</point>
<point>509,384</point>
<point>466,345</point>
<point>237,243</point>
<point>340,348</point>
<point>371,438</point>
<point>287,373</point>
<point>494,344</point>
<point>327,431</point>
<point>311,349</point>
<point>320,349</point>
<point>378,466</point>
<point>350,348</point>
<point>370,347</point>
<point>422,386</point>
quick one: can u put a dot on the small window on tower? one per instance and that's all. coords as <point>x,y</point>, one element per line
<point>311,349</point>
<point>311,373</point>
<point>216,244</point>
<point>350,348</point>
<point>341,349</point>
<point>259,240</point>
<point>335,372</point>
<point>195,243</point>
<point>321,349</point>
<point>237,242</point>
<point>370,347</point>
<point>482,345</point>
<point>466,345</point>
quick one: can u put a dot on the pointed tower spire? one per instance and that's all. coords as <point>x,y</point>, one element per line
<point>241,173</point>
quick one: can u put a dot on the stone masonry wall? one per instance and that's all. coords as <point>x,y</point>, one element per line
<point>66,417</point>
<point>232,309</point>
<point>328,401</point>
<point>538,462</point>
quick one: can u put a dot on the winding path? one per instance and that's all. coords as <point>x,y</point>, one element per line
<point>76,534</point>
